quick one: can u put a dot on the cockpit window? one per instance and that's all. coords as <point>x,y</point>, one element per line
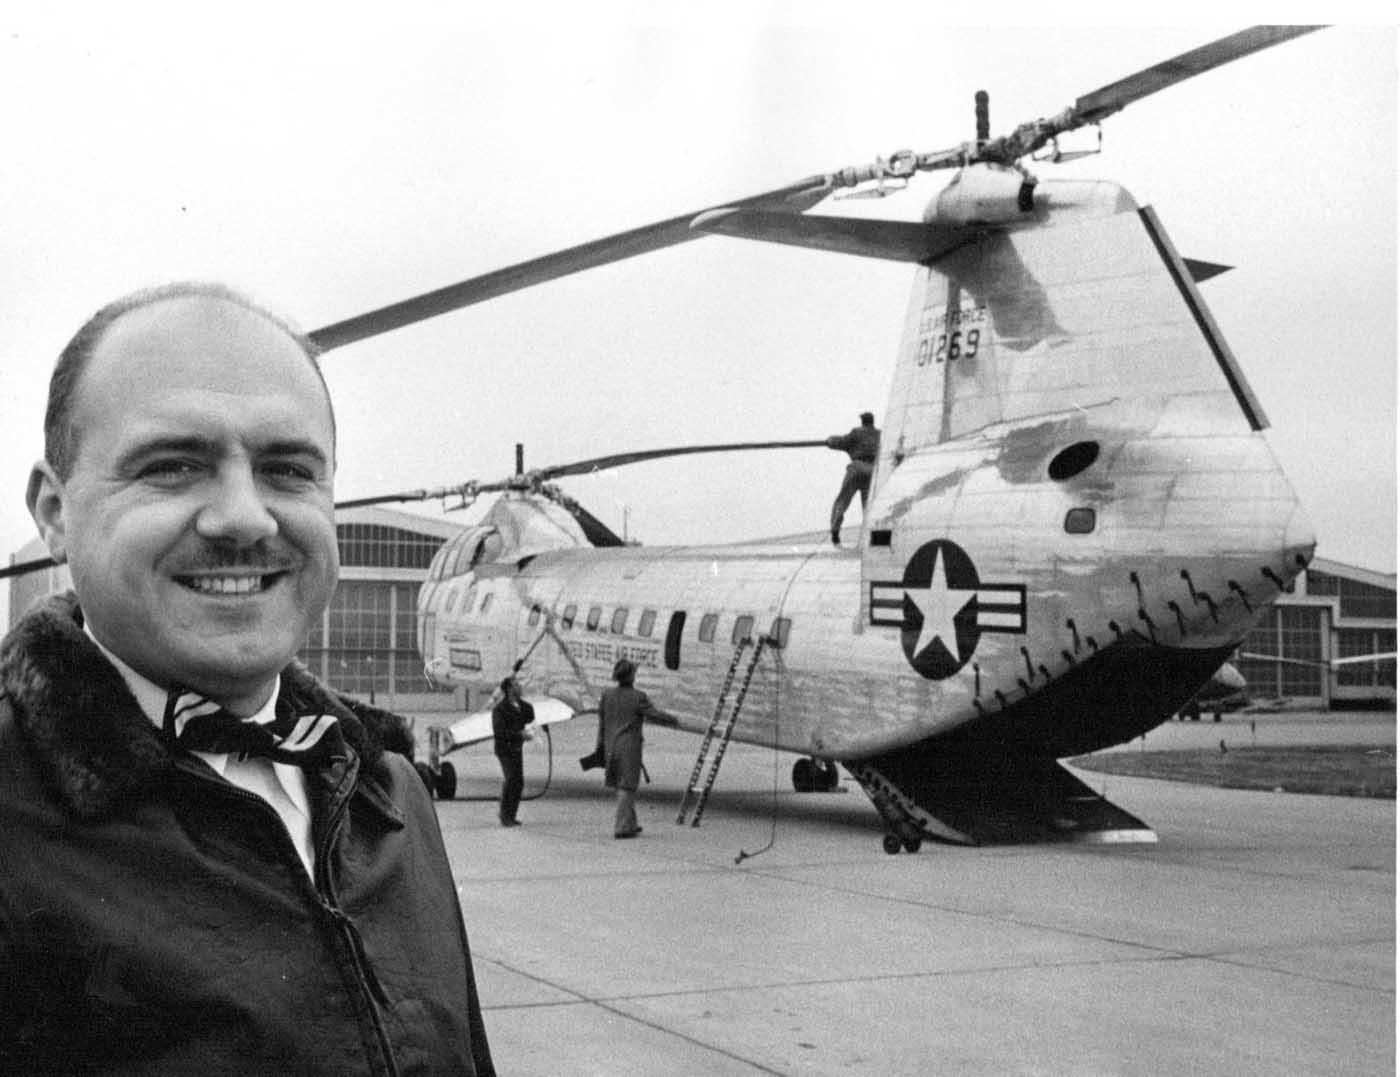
<point>463,563</point>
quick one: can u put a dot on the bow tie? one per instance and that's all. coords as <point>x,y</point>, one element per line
<point>200,725</point>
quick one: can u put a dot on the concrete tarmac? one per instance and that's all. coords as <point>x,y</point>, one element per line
<point>1256,937</point>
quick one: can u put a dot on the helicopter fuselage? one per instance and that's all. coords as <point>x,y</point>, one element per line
<point>980,584</point>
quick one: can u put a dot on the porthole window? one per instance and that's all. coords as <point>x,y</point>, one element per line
<point>619,621</point>
<point>570,612</point>
<point>1070,461</point>
<point>707,627</point>
<point>779,632</point>
<point>648,621</point>
<point>534,615</point>
<point>595,614</point>
<point>743,629</point>
<point>1080,521</point>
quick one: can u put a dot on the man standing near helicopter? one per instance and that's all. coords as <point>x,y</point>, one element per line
<point>862,445</point>
<point>621,711</point>
<point>509,718</point>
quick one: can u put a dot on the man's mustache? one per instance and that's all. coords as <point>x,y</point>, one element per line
<point>260,559</point>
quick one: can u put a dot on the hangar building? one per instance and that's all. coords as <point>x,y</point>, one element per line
<point>1334,611</point>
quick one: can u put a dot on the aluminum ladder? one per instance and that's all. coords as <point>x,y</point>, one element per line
<point>721,730</point>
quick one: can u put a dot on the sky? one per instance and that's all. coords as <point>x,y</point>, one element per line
<point>328,162</point>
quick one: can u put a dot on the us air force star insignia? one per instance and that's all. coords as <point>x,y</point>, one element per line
<point>943,608</point>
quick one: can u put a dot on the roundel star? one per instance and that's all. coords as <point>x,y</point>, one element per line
<point>938,605</point>
<point>941,608</point>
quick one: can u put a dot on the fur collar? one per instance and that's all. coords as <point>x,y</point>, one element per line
<point>93,741</point>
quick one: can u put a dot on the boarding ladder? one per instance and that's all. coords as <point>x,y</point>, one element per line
<point>721,730</point>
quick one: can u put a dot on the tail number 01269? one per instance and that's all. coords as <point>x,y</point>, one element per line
<point>958,344</point>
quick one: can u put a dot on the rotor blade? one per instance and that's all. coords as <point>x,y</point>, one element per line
<point>798,196</point>
<point>23,568</point>
<point>405,495</point>
<point>1329,663</point>
<point>1107,100</point>
<point>899,241</point>
<point>558,471</point>
<point>603,463</point>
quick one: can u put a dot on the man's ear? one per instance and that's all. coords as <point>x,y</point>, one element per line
<point>45,497</point>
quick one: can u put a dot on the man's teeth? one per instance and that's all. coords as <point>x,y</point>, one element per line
<point>226,585</point>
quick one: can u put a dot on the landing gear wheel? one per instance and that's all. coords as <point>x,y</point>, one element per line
<point>804,778</point>
<point>892,844</point>
<point>426,773</point>
<point>447,782</point>
<point>827,777</point>
<point>913,845</point>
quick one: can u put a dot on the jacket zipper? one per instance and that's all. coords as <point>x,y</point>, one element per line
<point>365,976</point>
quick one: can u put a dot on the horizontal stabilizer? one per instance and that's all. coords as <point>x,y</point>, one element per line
<point>898,241</point>
<point>476,727</point>
<point>1204,270</point>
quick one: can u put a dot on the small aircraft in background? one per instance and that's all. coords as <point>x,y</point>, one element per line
<point>1227,690</point>
<point>1075,516</point>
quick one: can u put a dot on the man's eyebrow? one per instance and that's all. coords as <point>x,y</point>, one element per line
<point>156,446</point>
<point>198,445</point>
<point>294,447</point>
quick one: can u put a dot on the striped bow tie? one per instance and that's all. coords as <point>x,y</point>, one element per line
<point>200,725</point>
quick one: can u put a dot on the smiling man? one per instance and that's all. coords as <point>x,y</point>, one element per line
<point>210,860</point>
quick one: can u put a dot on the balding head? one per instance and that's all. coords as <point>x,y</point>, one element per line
<point>62,437</point>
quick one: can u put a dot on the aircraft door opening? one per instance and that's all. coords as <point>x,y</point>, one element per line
<point>673,640</point>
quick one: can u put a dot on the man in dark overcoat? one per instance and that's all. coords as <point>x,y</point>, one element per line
<point>621,712</point>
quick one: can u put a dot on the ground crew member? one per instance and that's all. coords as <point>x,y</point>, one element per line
<point>862,445</point>
<point>509,718</point>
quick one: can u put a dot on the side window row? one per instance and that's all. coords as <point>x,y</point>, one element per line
<point>646,623</point>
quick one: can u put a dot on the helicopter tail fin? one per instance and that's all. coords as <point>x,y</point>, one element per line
<point>1083,304</point>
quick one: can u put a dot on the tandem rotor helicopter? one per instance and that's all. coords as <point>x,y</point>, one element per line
<point>1074,521</point>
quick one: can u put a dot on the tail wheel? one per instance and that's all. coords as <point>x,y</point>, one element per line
<point>892,843</point>
<point>804,778</point>
<point>447,782</point>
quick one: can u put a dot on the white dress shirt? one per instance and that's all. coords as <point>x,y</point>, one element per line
<point>281,785</point>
